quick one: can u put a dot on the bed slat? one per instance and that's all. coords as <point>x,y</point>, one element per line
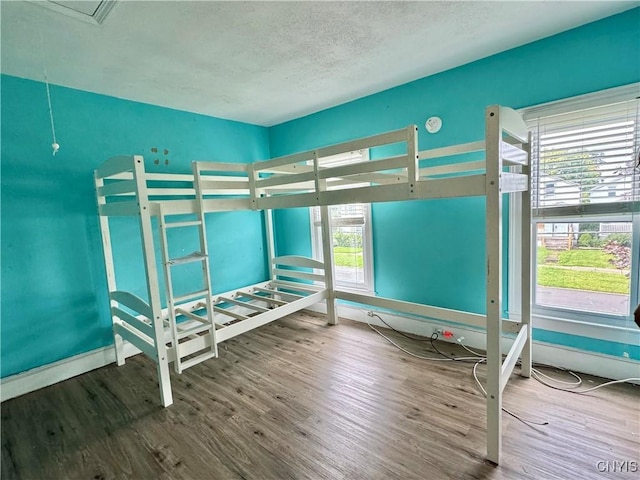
<point>513,124</point>
<point>115,165</point>
<point>240,303</point>
<point>132,301</point>
<point>136,339</point>
<point>386,138</point>
<point>267,317</point>
<point>224,311</point>
<point>119,209</point>
<point>300,287</point>
<point>293,296</point>
<point>261,298</point>
<point>117,188</point>
<point>298,274</point>
<point>144,327</point>
<point>298,261</point>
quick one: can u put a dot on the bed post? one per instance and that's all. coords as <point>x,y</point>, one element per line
<point>493,133</point>
<point>413,157</point>
<point>109,266</point>
<point>327,246</point>
<point>153,287</point>
<point>255,193</point>
<point>329,271</point>
<point>526,238</point>
<point>271,248</point>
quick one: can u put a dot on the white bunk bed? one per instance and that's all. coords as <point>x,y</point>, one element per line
<point>189,329</point>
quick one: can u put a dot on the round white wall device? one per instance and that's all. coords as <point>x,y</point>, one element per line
<point>433,124</point>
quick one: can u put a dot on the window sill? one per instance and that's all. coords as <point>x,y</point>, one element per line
<point>597,331</point>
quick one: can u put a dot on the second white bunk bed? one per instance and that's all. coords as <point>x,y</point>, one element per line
<point>189,328</point>
<point>300,180</point>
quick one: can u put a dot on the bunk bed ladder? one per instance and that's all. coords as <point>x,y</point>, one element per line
<point>200,324</point>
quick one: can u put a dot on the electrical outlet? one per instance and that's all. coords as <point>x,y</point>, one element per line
<point>443,332</point>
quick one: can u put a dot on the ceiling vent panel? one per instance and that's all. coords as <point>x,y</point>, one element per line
<point>90,11</point>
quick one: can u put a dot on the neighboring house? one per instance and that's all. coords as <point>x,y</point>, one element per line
<point>613,189</point>
<point>555,191</point>
<point>615,227</point>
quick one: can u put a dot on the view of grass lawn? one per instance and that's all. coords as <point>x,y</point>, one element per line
<point>549,276</point>
<point>577,258</point>
<point>353,250</point>
<point>348,257</point>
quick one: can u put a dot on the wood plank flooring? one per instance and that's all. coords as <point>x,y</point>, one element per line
<point>298,399</point>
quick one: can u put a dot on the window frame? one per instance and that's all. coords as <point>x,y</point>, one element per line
<point>564,320</point>
<point>367,242</point>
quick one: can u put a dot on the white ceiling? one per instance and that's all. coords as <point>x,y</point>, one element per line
<point>268,62</point>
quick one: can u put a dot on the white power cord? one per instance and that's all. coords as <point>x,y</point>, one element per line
<point>481,358</point>
<point>435,359</point>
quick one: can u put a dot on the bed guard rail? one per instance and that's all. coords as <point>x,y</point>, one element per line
<point>303,178</point>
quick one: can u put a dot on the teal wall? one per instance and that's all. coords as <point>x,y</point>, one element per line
<point>433,251</point>
<point>54,294</point>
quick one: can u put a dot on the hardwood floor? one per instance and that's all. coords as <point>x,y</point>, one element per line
<point>298,399</point>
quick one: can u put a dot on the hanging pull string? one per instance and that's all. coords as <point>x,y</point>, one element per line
<point>55,146</point>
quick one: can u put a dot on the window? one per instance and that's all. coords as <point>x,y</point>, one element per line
<point>550,189</point>
<point>350,232</point>
<point>585,192</point>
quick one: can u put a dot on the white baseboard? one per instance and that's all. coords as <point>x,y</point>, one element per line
<point>37,378</point>
<point>565,357</point>
<point>573,359</point>
<point>47,375</point>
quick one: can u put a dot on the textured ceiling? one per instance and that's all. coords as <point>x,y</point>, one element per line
<point>268,62</point>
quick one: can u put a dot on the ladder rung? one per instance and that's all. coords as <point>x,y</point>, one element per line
<point>193,331</point>
<point>191,223</point>
<point>192,257</point>
<point>189,296</point>
<point>195,360</point>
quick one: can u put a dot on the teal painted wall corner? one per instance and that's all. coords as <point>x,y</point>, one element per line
<point>54,293</point>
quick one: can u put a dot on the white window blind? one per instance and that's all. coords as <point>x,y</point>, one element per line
<point>586,156</point>
<point>353,214</point>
